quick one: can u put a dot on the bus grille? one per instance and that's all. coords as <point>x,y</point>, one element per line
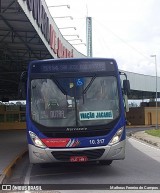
<point>65,155</point>
<point>52,134</point>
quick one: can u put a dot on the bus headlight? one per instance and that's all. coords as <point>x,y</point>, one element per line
<point>116,138</point>
<point>36,141</point>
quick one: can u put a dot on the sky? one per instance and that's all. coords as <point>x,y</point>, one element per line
<point>126,30</point>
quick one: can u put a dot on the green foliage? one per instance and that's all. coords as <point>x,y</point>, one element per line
<point>154,132</point>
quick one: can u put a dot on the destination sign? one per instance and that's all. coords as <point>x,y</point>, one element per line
<point>72,66</point>
<point>95,115</point>
<point>53,114</point>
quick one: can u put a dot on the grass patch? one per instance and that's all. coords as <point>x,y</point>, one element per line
<point>153,132</point>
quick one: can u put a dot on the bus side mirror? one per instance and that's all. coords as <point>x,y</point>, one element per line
<point>22,87</point>
<point>126,103</point>
<point>126,90</point>
<point>126,87</point>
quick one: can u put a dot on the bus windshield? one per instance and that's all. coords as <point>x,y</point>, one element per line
<point>74,102</point>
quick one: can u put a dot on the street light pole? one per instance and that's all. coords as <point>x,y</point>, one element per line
<point>71,35</point>
<point>62,17</point>
<point>156,90</point>
<point>79,44</point>
<point>68,28</point>
<point>68,6</point>
<point>75,40</point>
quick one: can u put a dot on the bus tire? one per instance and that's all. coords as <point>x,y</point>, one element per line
<point>105,162</point>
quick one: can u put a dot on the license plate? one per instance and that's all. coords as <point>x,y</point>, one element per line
<point>78,159</point>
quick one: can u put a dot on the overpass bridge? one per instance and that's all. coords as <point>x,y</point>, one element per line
<point>28,32</point>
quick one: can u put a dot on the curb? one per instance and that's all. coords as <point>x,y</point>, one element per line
<point>8,170</point>
<point>139,126</point>
<point>151,142</point>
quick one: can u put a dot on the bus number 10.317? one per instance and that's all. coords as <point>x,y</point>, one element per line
<point>96,141</point>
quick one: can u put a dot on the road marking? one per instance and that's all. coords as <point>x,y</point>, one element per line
<point>28,174</point>
<point>149,150</point>
<point>151,146</point>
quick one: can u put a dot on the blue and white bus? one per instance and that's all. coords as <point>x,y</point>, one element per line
<point>75,111</point>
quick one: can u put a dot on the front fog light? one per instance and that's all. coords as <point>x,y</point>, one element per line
<point>116,138</point>
<point>37,142</point>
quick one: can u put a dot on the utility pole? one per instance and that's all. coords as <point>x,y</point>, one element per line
<point>89,36</point>
<point>156,91</point>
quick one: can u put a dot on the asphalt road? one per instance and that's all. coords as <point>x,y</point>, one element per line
<point>141,166</point>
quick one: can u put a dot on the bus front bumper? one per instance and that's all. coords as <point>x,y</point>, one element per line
<point>39,155</point>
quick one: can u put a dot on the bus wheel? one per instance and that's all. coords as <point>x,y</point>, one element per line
<point>105,162</point>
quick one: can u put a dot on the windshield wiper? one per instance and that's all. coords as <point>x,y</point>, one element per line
<point>89,85</point>
<point>58,85</point>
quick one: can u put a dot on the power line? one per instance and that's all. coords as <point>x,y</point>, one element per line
<point>121,39</point>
